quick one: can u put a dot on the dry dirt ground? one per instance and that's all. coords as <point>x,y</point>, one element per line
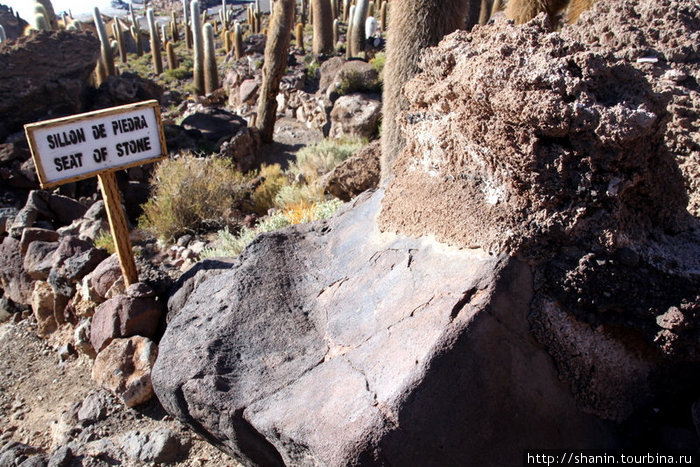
<point>39,396</point>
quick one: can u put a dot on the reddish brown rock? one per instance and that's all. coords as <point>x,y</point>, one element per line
<point>124,367</point>
<point>16,283</point>
<point>355,115</point>
<point>105,275</point>
<point>356,174</point>
<point>33,234</point>
<point>42,306</point>
<point>124,316</point>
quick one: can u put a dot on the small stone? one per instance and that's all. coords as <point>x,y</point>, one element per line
<point>65,352</point>
<point>94,408</point>
<point>61,457</point>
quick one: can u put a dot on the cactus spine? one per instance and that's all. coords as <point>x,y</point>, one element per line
<point>238,41</point>
<point>155,42</point>
<point>300,36</point>
<point>276,52</point>
<point>198,45</point>
<point>106,48</point>
<point>211,76</point>
<point>323,27</point>
<point>357,36</point>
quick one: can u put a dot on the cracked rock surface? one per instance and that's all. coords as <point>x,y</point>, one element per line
<point>366,347</point>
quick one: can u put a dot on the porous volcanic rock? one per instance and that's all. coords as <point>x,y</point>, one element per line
<point>44,75</point>
<point>531,143</point>
<point>662,40</point>
<point>333,344</point>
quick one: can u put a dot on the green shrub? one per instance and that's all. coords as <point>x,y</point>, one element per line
<point>229,245</point>
<point>298,195</point>
<point>105,241</point>
<point>264,195</point>
<point>317,159</point>
<point>188,194</point>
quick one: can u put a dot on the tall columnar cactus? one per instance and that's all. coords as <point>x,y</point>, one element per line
<point>172,58</point>
<point>100,73</point>
<point>163,34</point>
<point>155,42</point>
<point>323,27</point>
<point>336,32</point>
<point>136,35</point>
<point>276,53</point>
<point>41,23</point>
<point>357,37</point>
<point>211,75</point>
<point>238,41</point>
<point>106,48</point>
<point>228,40</point>
<point>3,36</point>
<point>348,35</point>
<point>186,20</point>
<point>120,39</point>
<point>174,32</point>
<point>382,16</point>
<point>346,10</point>
<point>198,46</point>
<point>50,13</point>
<point>299,34</point>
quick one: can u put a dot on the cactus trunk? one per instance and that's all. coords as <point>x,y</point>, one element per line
<point>323,27</point>
<point>172,58</point>
<point>211,75</point>
<point>120,39</point>
<point>357,37</point>
<point>276,53</point>
<point>238,41</point>
<point>300,36</point>
<point>106,48</point>
<point>198,46</point>
<point>155,43</point>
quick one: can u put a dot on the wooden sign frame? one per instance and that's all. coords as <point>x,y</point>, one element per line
<point>106,176</point>
<point>32,128</point>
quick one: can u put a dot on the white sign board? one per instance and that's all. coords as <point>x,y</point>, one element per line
<point>81,146</point>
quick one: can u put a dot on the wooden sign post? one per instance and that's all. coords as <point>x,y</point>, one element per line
<point>99,143</point>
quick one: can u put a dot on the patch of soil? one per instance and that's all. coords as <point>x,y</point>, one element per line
<point>39,396</point>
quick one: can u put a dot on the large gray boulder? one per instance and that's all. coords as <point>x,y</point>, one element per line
<point>335,344</point>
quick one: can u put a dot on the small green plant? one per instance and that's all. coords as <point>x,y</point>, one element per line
<point>354,82</point>
<point>189,194</point>
<point>264,195</point>
<point>229,245</point>
<point>317,159</point>
<point>298,194</point>
<point>378,63</point>
<point>105,241</point>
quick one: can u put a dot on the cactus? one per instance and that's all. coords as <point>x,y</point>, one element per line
<point>100,73</point>
<point>163,35</point>
<point>211,75</point>
<point>370,9</point>
<point>258,21</point>
<point>155,42</point>
<point>198,45</point>
<point>382,16</point>
<point>172,58</point>
<point>50,13</point>
<point>174,32</point>
<point>357,37</point>
<point>228,40</point>
<point>300,37</point>
<point>336,32</point>
<point>41,23</point>
<point>117,26</point>
<point>186,20</point>
<point>304,4</point>
<point>348,34</point>
<point>136,35</point>
<point>323,27</point>
<point>346,10</point>
<point>276,52</point>
<point>106,48</point>
<point>3,36</point>
<point>238,41</point>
